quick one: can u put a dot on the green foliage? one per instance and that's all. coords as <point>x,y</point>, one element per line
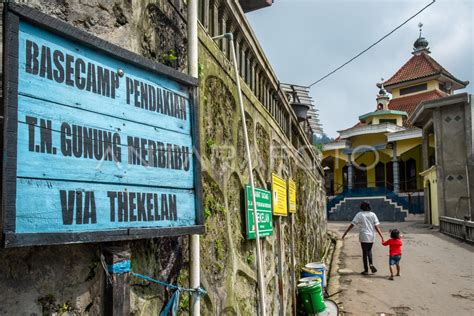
<point>219,248</point>
<point>207,213</point>
<point>319,147</point>
<point>210,143</point>
<point>49,306</point>
<point>212,206</point>
<point>200,70</point>
<point>184,303</point>
<point>133,263</point>
<point>169,57</point>
<point>183,280</point>
<point>250,259</point>
<point>319,141</point>
<point>65,307</point>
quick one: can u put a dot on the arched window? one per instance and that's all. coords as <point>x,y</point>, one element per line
<point>360,176</point>
<point>410,169</point>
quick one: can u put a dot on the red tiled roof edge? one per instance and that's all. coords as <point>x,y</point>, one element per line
<point>411,102</point>
<point>418,66</point>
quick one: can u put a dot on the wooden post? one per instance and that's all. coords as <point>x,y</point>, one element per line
<point>117,290</point>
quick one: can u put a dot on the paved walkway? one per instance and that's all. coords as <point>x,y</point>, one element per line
<point>437,274</point>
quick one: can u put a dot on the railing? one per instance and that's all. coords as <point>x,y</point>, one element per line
<point>397,199</point>
<point>222,16</point>
<point>463,229</point>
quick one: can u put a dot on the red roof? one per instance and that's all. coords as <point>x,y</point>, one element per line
<point>409,103</point>
<point>419,66</point>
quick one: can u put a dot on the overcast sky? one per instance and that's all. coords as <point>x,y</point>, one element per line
<point>305,39</point>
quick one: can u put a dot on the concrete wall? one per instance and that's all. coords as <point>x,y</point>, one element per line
<point>452,126</point>
<point>47,280</point>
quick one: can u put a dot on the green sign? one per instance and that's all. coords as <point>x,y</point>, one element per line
<point>263,199</point>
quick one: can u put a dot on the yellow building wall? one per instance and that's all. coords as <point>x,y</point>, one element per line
<point>336,153</point>
<point>432,84</point>
<point>407,144</point>
<point>399,118</point>
<point>406,149</point>
<point>430,177</point>
<point>370,139</point>
<point>431,140</point>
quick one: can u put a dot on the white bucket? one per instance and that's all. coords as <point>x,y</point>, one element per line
<point>331,309</point>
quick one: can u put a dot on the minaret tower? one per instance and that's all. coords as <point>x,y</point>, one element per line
<point>382,98</point>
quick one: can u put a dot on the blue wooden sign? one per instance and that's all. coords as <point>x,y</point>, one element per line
<point>99,142</point>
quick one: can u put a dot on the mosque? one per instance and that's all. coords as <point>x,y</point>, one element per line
<point>380,158</point>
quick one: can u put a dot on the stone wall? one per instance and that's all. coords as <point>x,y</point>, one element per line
<point>227,257</point>
<point>57,279</point>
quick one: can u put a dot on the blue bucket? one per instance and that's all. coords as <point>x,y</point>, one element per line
<point>315,269</point>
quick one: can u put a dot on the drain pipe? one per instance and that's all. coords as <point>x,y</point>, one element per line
<point>194,255</point>
<point>260,277</point>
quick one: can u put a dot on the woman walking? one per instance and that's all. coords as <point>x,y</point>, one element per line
<point>369,223</point>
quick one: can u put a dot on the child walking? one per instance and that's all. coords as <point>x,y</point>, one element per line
<point>395,251</point>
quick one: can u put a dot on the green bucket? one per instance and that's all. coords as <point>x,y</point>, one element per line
<point>310,296</point>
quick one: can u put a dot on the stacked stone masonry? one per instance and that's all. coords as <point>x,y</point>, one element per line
<point>55,279</point>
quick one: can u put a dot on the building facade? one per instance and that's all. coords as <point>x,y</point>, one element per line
<point>380,157</point>
<point>448,178</point>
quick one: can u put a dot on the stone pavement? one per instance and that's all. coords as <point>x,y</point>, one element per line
<point>437,274</point>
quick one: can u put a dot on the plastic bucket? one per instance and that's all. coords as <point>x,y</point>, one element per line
<point>310,279</point>
<point>310,297</point>
<point>310,273</point>
<point>319,269</point>
<point>331,309</point>
<point>307,272</point>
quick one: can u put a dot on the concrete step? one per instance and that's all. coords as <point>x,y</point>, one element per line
<point>383,207</point>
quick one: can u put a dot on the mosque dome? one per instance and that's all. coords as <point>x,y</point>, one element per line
<point>420,44</point>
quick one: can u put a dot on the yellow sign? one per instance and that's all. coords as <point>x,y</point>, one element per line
<point>279,196</point>
<point>292,196</point>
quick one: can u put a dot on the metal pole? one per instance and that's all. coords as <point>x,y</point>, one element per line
<point>261,281</point>
<point>292,265</point>
<point>194,255</point>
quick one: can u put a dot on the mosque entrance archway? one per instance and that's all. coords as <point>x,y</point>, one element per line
<point>360,176</point>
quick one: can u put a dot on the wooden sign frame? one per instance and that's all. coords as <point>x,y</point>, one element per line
<point>13,14</point>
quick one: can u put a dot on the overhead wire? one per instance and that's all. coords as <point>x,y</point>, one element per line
<point>368,48</point>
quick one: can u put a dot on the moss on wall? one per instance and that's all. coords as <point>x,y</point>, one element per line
<point>234,290</point>
<point>70,278</point>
